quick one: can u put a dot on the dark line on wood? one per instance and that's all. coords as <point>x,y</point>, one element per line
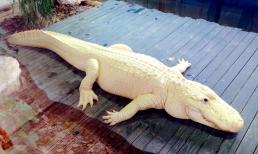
<point>240,71</point>
<point>250,122</point>
<point>235,61</point>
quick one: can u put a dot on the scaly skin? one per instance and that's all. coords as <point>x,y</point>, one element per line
<point>145,80</point>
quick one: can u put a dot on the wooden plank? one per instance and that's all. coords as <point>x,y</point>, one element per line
<point>250,140</point>
<point>204,56</point>
<point>140,139</point>
<point>222,56</point>
<point>237,67</point>
<point>119,128</point>
<point>177,140</point>
<point>151,31</point>
<point>239,81</point>
<point>256,149</point>
<point>158,142</point>
<point>230,145</point>
<point>93,13</point>
<point>193,35</point>
<point>248,112</point>
<point>218,73</point>
<point>190,138</point>
<point>203,43</point>
<point>143,140</point>
<point>144,17</point>
<point>52,94</point>
<point>114,103</point>
<point>193,49</point>
<point>97,25</point>
<point>200,61</point>
<point>188,131</point>
<point>50,90</point>
<point>163,136</point>
<point>155,50</point>
<point>149,26</point>
<point>58,80</point>
<point>202,141</point>
<point>76,28</point>
<point>190,33</point>
<point>57,28</point>
<point>240,101</point>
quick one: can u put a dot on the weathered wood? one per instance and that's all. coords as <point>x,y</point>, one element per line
<point>243,75</point>
<point>183,36</point>
<point>241,100</point>
<point>256,149</point>
<point>150,147</point>
<point>156,49</point>
<point>189,147</point>
<point>217,74</point>
<point>249,143</point>
<point>248,112</point>
<point>205,55</point>
<point>233,71</point>
<point>93,13</point>
<point>222,56</point>
<point>192,49</point>
<point>201,142</point>
<point>129,33</point>
<point>133,135</point>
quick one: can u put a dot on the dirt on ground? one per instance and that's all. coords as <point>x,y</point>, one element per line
<point>17,23</point>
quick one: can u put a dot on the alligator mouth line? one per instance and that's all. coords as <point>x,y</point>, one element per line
<point>212,123</point>
<point>206,121</point>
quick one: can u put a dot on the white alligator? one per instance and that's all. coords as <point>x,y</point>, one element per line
<point>144,79</point>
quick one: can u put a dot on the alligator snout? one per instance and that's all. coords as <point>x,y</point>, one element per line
<point>237,125</point>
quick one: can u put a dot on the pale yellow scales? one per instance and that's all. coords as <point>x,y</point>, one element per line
<point>144,79</point>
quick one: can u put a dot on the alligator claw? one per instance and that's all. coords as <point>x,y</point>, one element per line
<point>87,97</point>
<point>112,118</point>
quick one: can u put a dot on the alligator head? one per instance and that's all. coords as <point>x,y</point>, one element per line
<point>192,100</point>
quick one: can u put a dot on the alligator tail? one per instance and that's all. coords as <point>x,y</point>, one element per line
<point>33,38</point>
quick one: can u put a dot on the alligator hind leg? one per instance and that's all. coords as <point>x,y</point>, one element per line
<point>142,102</point>
<point>87,95</point>
<point>121,47</point>
<point>182,65</point>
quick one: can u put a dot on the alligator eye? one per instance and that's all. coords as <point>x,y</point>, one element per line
<point>205,100</point>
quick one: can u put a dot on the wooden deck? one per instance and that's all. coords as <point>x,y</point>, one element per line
<point>223,58</point>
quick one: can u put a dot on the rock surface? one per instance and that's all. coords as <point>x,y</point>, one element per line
<point>5,4</point>
<point>9,75</point>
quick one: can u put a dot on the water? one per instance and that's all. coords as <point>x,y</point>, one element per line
<point>235,13</point>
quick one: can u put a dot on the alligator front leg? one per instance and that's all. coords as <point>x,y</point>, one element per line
<point>182,65</point>
<point>87,95</point>
<point>142,102</point>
